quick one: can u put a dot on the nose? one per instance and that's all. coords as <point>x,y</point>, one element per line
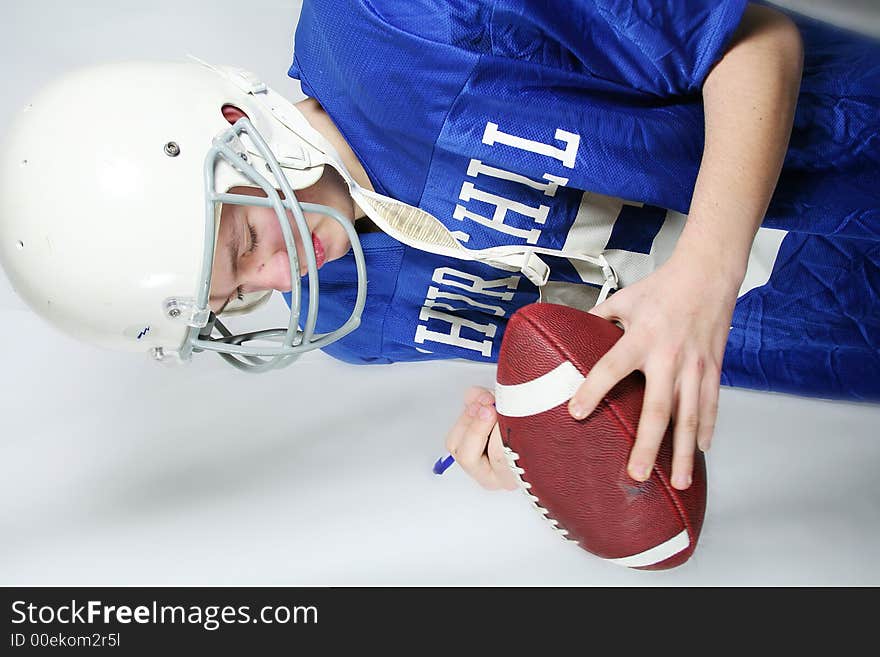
<point>268,273</point>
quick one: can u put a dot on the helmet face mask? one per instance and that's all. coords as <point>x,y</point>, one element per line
<point>293,340</point>
<point>111,184</point>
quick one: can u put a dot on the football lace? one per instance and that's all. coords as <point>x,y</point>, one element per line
<point>512,458</point>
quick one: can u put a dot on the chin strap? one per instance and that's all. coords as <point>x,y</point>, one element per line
<point>406,223</point>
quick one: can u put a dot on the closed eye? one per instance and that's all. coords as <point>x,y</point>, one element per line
<point>239,292</point>
<point>253,234</point>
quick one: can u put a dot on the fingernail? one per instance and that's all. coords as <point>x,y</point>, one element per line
<point>577,411</point>
<point>682,481</point>
<point>485,413</point>
<point>639,472</point>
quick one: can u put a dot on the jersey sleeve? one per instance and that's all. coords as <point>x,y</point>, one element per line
<point>663,47</point>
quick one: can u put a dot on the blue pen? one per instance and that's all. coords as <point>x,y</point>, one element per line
<point>442,465</point>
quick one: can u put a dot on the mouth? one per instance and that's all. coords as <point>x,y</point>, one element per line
<point>320,256</point>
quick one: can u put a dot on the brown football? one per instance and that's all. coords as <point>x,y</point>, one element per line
<point>574,471</point>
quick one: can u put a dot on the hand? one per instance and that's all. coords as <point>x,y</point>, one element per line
<point>475,442</point>
<point>676,322</point>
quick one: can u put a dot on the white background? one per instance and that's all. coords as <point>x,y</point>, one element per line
<point>114,470</point>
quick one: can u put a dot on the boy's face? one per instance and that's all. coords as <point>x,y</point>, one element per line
<point>250,255</point>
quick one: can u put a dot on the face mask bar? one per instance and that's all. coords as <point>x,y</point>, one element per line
<point>294,341</point>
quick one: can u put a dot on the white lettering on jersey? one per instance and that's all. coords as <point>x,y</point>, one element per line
<point>492,135</point>
<point>434,293</point>
<point>502,205</point>
<point>475,168</point>
<point>446,276</point>
<point>454,338</point>
<point>436,302</point>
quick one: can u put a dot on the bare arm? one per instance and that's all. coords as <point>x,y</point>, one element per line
<point>676,319</point>
<point>749,102</point>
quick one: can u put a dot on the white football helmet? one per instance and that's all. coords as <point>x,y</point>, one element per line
<point>111,184</point>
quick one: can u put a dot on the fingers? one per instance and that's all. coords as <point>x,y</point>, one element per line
<point>695,403</point>
<point>475,394</point>
<point>608,309</point>
<point>696,407</point>
<point>654,419</point>
<point>471,450</point>
<point>687,422</point>
<point>468,439</point>
<point>606,373</point>
<point>709,391</point>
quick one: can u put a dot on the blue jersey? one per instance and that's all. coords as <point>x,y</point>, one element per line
<point>579,126</point>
